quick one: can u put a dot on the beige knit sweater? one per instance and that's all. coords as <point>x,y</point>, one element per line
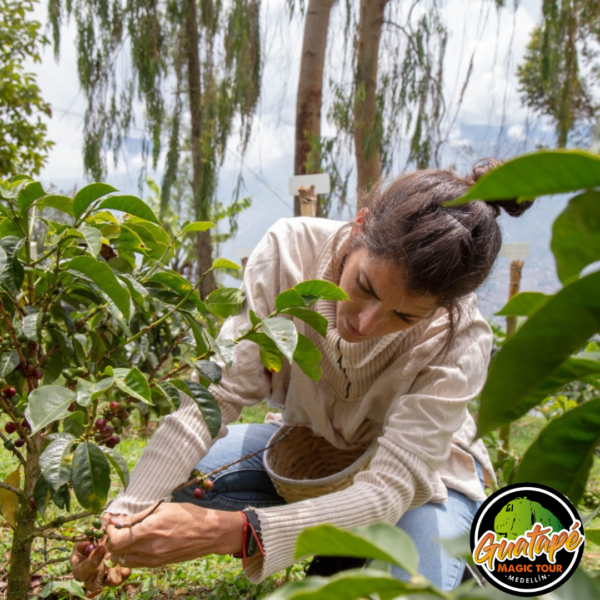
<point>399,388</point>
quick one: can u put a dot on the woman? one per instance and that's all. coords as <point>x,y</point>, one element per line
<point>401,361</point>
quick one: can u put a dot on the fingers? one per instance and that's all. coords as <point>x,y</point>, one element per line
<point>85,566</point>
<point>116,576</point>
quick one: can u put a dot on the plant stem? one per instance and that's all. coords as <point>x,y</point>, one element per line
<point>16,452</point>
<point>10,488</point>
<point>74,517</point>
<point>52,561</point>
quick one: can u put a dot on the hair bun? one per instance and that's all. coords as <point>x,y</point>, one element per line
<point>511,206</point>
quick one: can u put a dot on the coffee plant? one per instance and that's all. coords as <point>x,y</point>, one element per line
<point>94,324</point>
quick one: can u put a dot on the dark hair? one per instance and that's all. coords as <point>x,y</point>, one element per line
<point>444,252</point>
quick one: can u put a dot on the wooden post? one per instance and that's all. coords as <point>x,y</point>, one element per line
<point>308,201</point>
<point>516,267</point>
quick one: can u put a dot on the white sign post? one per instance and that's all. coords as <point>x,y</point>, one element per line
<point>308,187</point>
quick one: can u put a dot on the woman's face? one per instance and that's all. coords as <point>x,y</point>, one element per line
<point>379,302</point>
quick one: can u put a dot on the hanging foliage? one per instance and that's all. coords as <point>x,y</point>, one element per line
<point>558,76</point>
<point>187,62</point>
<point>408,101</point>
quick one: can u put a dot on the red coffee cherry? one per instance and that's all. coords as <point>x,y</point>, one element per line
<point>72,407</point>
<point>38,374</point>
<point>19,443</point>
<point>123,415</point>
<point>208,485</point>
<point>100,424</point>
<point>10,427</point>
<point>10,392</point>
<point>32,502</point>
<point>114,406</point>
<point>198,494</point>
<point>87,550</point>
<point>108,431</point>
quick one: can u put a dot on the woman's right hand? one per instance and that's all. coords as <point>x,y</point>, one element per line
<point>92,571</point>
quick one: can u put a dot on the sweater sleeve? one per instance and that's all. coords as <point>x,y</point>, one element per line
<point>416,440</point>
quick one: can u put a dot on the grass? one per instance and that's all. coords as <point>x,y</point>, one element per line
<point>217,577</point>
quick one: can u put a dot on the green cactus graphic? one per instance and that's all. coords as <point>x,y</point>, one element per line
<point>520,515</point>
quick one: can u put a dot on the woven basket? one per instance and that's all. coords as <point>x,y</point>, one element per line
<point>305,465</point>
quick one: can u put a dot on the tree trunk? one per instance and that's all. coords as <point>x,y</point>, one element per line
<point>203,241</point>
<point>367,141</point>
<point>310,91</point>
<point>19,574</point>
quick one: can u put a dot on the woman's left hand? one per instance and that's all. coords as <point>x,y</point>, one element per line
<point>175,532</point>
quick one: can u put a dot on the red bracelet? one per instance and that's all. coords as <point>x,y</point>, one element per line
<point>248,528</point>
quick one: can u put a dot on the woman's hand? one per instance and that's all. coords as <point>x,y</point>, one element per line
<point>174,533</point>
<point>92,570</point>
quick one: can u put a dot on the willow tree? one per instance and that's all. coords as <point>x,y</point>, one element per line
<point>195,65</point>
<point>393,103</point>
<point>560,68</point>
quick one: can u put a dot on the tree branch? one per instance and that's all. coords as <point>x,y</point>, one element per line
<point>10,488</point>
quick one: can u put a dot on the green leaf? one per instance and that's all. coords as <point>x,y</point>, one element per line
<point>41,494</point>
<point>136,289</point>
<point>317,321</point>
<point>180,285</point>
<point>12,277</point>
<point>580,586</point>
<point>47,404</point>
<point>576,235</point>
<point>62,203</point>
<point>74,423</point>
<point>88,194</point>
<point>3,260</point>
<point>118,464</point>
<point>537,174</point>
<point>379,541</point>
<point>93,239</point>
<point>8,362</point>
<point>134,383</point>
<point>130,205</point>
<point>577,432</point>
<point>208,369</point>
<point>288,299</point>
<point>205,401</point>
<point>283,332</point>
<point>592,535</point>
<point>308,358</point>
<point>87,391</point>
<point>323,289</point>
<point>575,368</point>
<point>223,263</point>
<point>350,585</point>
<point>197,226</point>
<point>223,349</point>
<point>53,367</point>
<point>62,498</point>
<point>91,476</point>
<point>171,393</point>
<point>29,194</point>
<point>32,326</point>
<point>523,304</point>
<point>54,463</point>
<point>538,348</point>
<point>225,302</point>
<point>201,343</point>
<point>102,275</point>
<point>55,587</point>
<point>270,355</point>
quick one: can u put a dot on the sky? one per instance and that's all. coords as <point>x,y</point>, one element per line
<point>495,39</point>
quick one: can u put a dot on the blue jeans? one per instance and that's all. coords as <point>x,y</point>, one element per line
<point>247,484</point>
